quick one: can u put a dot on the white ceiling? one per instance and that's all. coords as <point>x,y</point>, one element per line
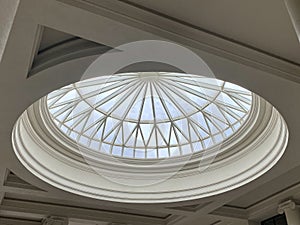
<point>264,25</point>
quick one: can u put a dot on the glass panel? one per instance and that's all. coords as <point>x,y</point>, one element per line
<point>150,115</point>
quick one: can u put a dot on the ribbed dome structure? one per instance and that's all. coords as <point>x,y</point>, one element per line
<point>149,114</point>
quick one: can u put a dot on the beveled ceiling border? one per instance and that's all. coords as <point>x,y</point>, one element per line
<point>57,165</point>
<point>187,34</point>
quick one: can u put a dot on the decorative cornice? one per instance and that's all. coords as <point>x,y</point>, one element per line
<point>262,208</point>
<point>117,223</point>
<point>229,211</point>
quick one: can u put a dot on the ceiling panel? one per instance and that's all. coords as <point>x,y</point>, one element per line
<point>53,37</point>
<point>264,24</point>
<point>268,190</point>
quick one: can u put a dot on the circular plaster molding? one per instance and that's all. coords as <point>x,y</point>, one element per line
<point>248,154</point>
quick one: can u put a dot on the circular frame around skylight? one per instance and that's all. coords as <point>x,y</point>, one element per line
<point>52,155</point>
<point>150,115</point>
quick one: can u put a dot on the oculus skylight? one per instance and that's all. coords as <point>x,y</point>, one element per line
<point>150,115</point>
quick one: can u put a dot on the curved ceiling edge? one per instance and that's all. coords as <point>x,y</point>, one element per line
<point>267,140</point>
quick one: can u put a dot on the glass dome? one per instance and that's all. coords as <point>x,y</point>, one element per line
<point>149,115</point>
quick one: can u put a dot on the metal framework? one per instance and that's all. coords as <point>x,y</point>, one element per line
<point>150,114</point>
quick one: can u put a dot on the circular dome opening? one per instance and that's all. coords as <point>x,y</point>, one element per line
<point>150,115</point>
<point>150,137</point>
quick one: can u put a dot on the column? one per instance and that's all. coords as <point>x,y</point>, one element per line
<point>291,211</point>
<point>55,220</point>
